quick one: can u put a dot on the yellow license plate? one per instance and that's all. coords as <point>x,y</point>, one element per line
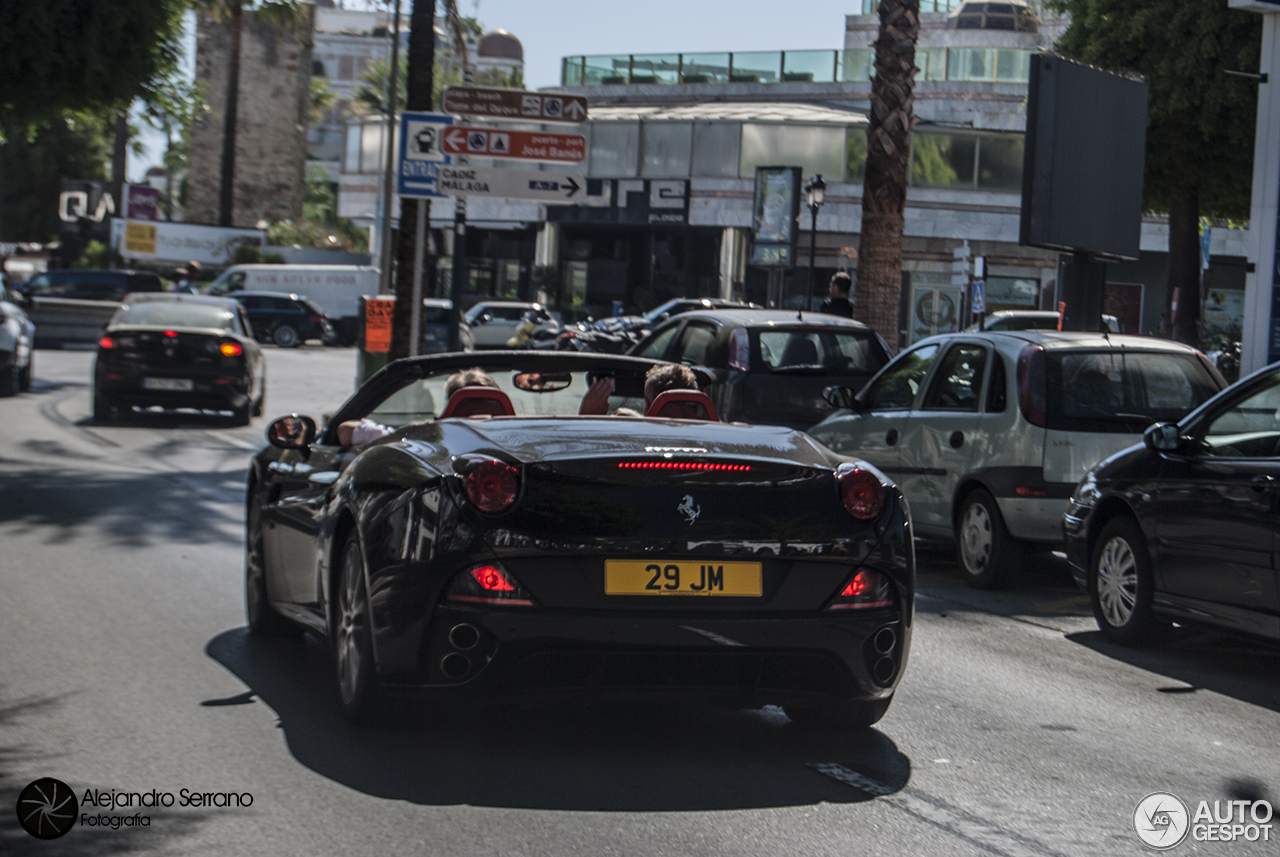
<point>657,577</point>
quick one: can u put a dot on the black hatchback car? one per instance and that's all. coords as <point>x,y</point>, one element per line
<point>1186,526</point>
<point>286,320</point>
<point>769,366</point>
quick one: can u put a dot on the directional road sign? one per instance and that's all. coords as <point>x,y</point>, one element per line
<point>421,153</point>
<point>516,145</point>
<point>514,104</point>
<point>511,184</point>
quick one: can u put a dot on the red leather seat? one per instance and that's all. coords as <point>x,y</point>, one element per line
<point>683,405</point>
<point>478,401</point>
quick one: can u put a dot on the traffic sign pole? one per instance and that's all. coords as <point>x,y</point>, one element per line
<point>419,249</point>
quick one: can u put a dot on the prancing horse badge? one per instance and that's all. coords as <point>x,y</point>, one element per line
<point>690,511</point>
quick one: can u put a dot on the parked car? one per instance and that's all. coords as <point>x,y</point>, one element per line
<point>496,545</point>
<point>335,289</point>
<point>1184,527</point>
<point>285,319</point>
<point>1028,319</point>
<point>435,327</point>
<point>988,433</point>
<point>769,366</point>
<point>72,305</point>
<point>179,351</point>
<point>17,337</point>
<point>494,322</point>
<point>617,334</point>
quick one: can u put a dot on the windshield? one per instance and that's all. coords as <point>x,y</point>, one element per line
<point>825,351</point>
<point>1123,391</point>
<point>174,314</point>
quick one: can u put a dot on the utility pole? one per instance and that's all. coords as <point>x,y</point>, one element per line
<point>389,177</point>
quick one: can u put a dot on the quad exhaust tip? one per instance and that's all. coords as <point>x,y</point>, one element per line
<point>884,641</point>
<point>455,665</point>
<point>884,669</point>
<point>464,637</point>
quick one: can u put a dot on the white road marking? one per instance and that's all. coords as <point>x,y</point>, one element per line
<point>978,832</point>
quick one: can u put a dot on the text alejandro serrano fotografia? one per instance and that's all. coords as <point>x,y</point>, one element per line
<point>113,799</point>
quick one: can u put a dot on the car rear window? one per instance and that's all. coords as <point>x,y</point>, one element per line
<point>174,314</point>
<point>1123,391</point>
<point>818,351</point>
<point>435,315</point>
<point>311,305</point>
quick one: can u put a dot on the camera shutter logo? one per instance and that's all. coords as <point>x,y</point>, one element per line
<point>1161,821</point>
<point>47,808</point>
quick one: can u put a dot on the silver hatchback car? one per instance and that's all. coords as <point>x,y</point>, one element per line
<point>987,433</point>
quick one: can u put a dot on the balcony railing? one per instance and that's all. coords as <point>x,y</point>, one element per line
<point>993,65</point>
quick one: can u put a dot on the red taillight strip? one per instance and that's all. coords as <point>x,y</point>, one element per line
<point>844,605</point>
<point>682,465</point>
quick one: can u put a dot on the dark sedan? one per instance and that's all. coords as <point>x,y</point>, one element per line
<point>286,320</point>
<point>1186,527</point>
<point>179,351</point>
<point>494,544</point>
<point>770,366</point>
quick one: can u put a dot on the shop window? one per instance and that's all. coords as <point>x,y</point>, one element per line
<point>1000,164</point>
<point>943,160</point>
<point>856,162</point>
<point>971,64</point>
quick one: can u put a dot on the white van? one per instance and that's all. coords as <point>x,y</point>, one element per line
<point>336,289</point>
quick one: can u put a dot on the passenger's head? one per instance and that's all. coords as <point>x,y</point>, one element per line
<point>473,377</point>
<point>180,273</point>
<point>841,283</point>
<point>667,376</point>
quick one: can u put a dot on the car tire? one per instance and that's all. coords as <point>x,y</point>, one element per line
<point>24,377</point>
<point>286,336</point>
<point>103,410</point>
<point>10,380</point>
<point>1121,585</point>
<point>845,714</point>
<point>989,556</point>
<point>360,694</point>
<point>261,617</point>
<point>242,416</point>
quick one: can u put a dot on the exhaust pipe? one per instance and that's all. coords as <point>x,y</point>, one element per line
<point>464,637</point>
<point>884,670</point>
<point>454,665</point>
<point>884,640</point>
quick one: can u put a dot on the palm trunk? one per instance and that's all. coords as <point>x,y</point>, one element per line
<point>422,57</point>
<point>1184,265</point>
<point>884,191</point>
<point>226,195</point>
<point>119,161</point>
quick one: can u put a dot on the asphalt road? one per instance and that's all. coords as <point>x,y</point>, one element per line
<point>125,665</point>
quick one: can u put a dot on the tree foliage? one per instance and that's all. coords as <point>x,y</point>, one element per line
<point>1200,122</point>
<point>59,56</point>
<point>35,158</point>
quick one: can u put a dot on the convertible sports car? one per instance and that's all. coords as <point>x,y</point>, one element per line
<point>494,544</point>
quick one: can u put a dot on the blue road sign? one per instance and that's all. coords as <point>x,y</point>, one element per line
<point>979,296</point>
<point>421,156</point>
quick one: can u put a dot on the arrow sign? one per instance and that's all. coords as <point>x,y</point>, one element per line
<point>516,145</point>
<point>421,153</point>
<point>514,104</point>
<point>509,184</point>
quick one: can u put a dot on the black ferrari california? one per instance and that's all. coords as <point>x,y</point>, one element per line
<point>494,544</point>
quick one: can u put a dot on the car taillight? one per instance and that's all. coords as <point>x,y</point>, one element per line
<point>1031,385</point>
<point>492,486</point>
<point>488,584</point>
<point>316,319</point>
<point>865,590</point>
<point>860,492</point>
<point>172,334</point>
<point>106,342</point>
<point>230,349</point>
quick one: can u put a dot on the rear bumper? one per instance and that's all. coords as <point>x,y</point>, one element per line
<point>213,392</point>
<point>1075,530</point>
<point>1033,519</point>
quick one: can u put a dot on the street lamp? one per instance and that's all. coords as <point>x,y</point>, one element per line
<point>815,192</point>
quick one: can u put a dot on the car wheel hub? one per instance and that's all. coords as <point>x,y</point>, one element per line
<point>1117,582</point>
<point>350,628</point>
<point>975,539</point>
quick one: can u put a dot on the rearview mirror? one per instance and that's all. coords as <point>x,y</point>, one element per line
<point>542,382</point>
<point>841,397</point>
<point>292,432</point>
<point>1162,437</point>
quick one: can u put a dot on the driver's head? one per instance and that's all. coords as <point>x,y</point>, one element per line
<point>473,377</point>
<point>667,376</point>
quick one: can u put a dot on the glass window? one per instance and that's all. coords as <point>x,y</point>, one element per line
<point>704,68</point>
<point>809,66</point>
<point>943,160</point>
<point>615,147</point>
<point>997,387</point>
<point>958,380</point>
<point>715,150</point>
<point>370,147</point>
<point>856,162</point>
<point>897,386</point>
<point>756,67</point>
<point>813,148</point>
<point>971,64</point>
<point>174,314</point>
<point>1000,164</point>
<point>351,155</point>
<point>655,68</point>
<point>858,65</point>
<point>695,343</point>
<point>828,352</point>
<point>1013,66</point>
<point>1017,293</point>
<point>1123,391</point>
<point>1250,428</point>
<point>603,70</point>
<point>667,147</point>
<point>571,71</point>
<point>932,63</point>
<point>655,348</point>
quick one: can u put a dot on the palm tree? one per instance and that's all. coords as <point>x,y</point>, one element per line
<point>884,190</point>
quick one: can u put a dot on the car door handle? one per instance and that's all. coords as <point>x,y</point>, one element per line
<point>891,437</point>
<point>1262,483</point>
<point>957,439</point>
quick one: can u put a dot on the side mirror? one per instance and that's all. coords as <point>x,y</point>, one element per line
<point>1162,437</point>
<point>841,397</point>
<point>292,432</point>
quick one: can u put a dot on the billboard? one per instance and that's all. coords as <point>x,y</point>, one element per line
<point>161,241</point>
<point>774,213</point>
<point>1084,159</point>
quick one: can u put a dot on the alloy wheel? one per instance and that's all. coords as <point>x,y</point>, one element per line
<point>351,625</point>
<point>1117,581</point>
<point>976,538</point>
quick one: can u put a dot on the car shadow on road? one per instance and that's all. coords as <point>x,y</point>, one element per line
<point>607,757</point>
<point>1196,659</point>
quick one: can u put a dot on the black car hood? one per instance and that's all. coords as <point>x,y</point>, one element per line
<point>554,439</point>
